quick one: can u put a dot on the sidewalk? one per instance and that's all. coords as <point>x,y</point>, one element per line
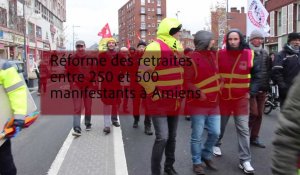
<point>92,153</point>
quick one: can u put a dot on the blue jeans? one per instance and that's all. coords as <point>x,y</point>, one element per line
<point>199,149</point>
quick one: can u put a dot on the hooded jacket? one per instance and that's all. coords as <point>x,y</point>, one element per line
<point>204,68</point>
<point>285,68</point>
<point>243,44</point>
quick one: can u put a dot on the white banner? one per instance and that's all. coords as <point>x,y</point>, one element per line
<point>257,18</point>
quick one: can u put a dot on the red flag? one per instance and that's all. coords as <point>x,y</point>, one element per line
<point>105,32</point>
<point>138,36</point>
<point>128,43</point>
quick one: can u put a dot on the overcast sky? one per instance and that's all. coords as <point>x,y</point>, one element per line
<point>92,15</point>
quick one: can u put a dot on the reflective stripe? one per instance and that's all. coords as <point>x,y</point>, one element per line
<point>237,76</point>
<point>169,83</point>
<point>207,81</point>
<point>237,85</point>
<point>170,71</point>
<point>15,86</point>
<point>277,67</point>
<point>212,89</point>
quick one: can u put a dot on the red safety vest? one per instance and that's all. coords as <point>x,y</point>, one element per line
<point>207,78</point>
<point>170,75</point>
<point>235,68</point>
<point>170,78</point>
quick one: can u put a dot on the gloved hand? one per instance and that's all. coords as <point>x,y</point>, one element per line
<point>18,124</point>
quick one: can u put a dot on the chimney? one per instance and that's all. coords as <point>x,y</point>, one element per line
<point>234,9</point>
<point>243,9</point>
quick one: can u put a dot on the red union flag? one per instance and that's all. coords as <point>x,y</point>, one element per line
<point>105,32</point>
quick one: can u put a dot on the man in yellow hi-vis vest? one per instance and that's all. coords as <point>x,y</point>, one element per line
<point>166,46</point>
<point>16,91</point>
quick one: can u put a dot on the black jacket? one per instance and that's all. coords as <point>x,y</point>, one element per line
<point>285,68</point>
<point>261,71</point>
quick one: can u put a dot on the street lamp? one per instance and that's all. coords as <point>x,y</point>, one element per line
<point>177,14</point>
<point>74,37</point>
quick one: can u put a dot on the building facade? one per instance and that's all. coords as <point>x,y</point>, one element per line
<point>186,39</point>
<point>221,23</point>
<point>43,24</point>
<point>284,18</point>
<point>139,19</point>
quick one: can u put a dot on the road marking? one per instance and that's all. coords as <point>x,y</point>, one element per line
<point>119,153</point>
<point>60,157</point>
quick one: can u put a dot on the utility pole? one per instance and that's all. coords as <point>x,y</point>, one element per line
<point>25,48</point>
<point>227,10</point>
<point>74,37</point>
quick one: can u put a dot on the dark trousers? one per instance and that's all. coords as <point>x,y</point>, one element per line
<point>165,142</point>
<point>78,103</point>
<point>7,166</point>
<point>136,111</point>
<point>257,103</point>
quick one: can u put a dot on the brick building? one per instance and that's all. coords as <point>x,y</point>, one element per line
<point>140,18</point>
<point>186,39</point>
<point>284,18</point>
<point>235,19</point>
<point>44,27</point>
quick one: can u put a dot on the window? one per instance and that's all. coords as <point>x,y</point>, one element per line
<point>31,32</point>
<point>159,10</point>
<point>284,20</point>
<point>143,25</point>
<point>149,17</point>
<point>290,18</point>
<point>142,2</point>
<point>149,9</point>
<point>143,34</point>
<point>153,24</point>
<point>3,17</point>
<point>142,9</point>
<point>158,3</point>
<point>38,32</point>
<point>152,9</point>
<point>143,18</point>
<point>149,25</point>
<point>148,1</point>
<point>299,12</point>
<point>279,19</point>
<point>272,24</point>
